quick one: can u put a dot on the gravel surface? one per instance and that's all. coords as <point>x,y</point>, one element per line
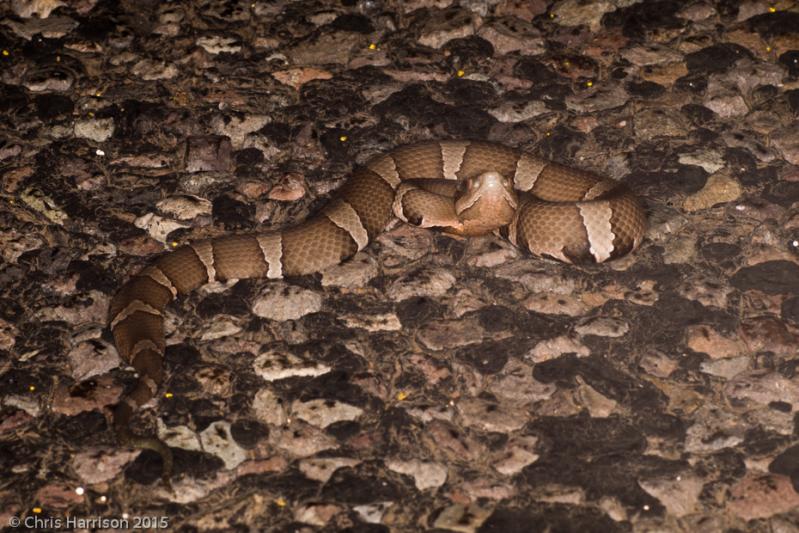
<point>431,383</point>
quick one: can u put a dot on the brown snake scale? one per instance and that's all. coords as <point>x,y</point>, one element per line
<point>548,209</point>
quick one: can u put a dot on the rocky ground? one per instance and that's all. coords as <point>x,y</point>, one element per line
<point>431,383</point>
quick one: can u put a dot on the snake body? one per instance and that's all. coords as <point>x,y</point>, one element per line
<point>548,209</point>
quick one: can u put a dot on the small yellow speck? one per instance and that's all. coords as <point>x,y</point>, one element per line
<point>567,63</point>
<point>768,49</point>
<point>372,46</point>
<point>552,15</point>
<point>461,73</point>
<point>91,113</point>
<point>589,83</point>
<point>343,138</point>
<point>281,502</point>
<point>548,134</point>
<point>772,9</point>
<point>168,395</point>
<point>174,244</point>
<point>6,53</point>
<point>36,510</point>
<point>98,94</point>
<point>58,59</point>
<point>402,395</point>
<point>32,388</point>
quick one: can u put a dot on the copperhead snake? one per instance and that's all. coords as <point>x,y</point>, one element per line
<point>463,187</point>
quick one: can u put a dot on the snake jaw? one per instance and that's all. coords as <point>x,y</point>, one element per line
<point>488,202</point>
<point>488,187</point>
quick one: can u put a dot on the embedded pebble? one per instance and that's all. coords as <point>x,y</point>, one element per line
<point>518,111</point>
<point>577,13</point>
<point>724,101</point>
<point>322,413</point>
<point>276,365</point>
<point>214,44</point>
<point>89,359</point>
<point>180,437</point>
<point>237,128</point>
<point>280,301</point>
<point>491,416</point>
<point>767,334</point>
<point>152,70</point>
<point>658,364</point>
<point>320,469</point>
<point>97,130</point>
<point>726,368</point>
<point>71,401</point>
<point>651,54</point>
<point>298,77</point>
<point>39,8</point>
<point>713,431</point>
<point>291,188</point>
<point>373,513</point>
<point>208,153</point>
<point>719,188</point>
<point>515,458</point>
<point>353,274</point>
<point>786,140</point>
<point>557,346</point>
<point>184,207</point>
<point>679,494</point>
<point>604,327</point>
<point>710,160</point>
<point>325,49</point>
<point>220,329</point>
<point>269,408</point>
<point>762,388</point>
<point>429,283</point>
<point>447,24</point>
<point>425,475</point>
<point>316,514</point>
<point>655,123</point>
<point>598,405</point>
<point>510,34</point>
<point>157,226</point>
<point>57,495</point>
<point>516,383</point>
<point>302,440</point>
<point>463,519</point>
<point>601,99</point>
<point>48,27</point>
<point>560,304</point>
<point>707,340</point>
<point>761,496</point>
<point>93,466</point>
<point>217,440</point>
<point>377,322</point>
<point>447,334</point>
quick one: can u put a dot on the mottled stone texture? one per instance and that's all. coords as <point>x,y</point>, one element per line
<point>431,383</point>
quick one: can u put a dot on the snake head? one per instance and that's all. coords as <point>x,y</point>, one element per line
<point>489,190</point>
